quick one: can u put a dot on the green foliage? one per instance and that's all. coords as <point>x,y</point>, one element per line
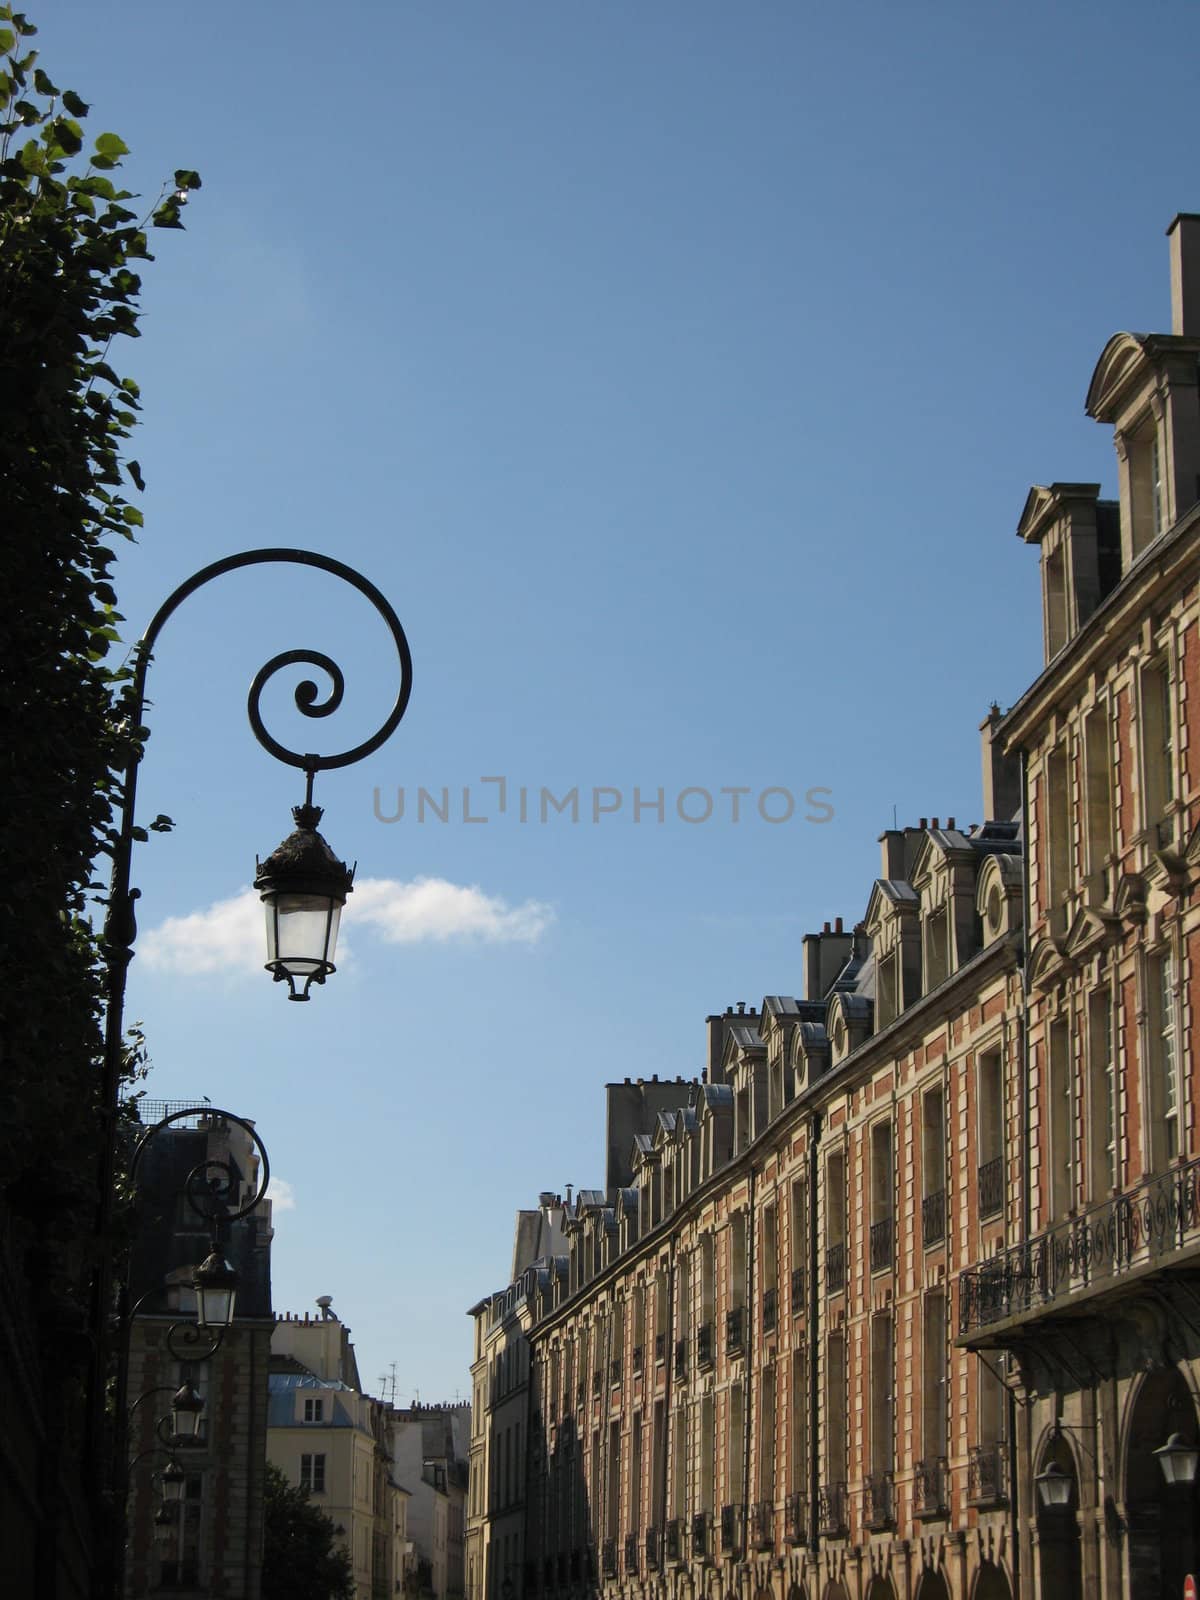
<point>301,1557</point>
<point>69,244</point>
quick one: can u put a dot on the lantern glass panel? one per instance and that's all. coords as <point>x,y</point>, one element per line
<point>302,931</point>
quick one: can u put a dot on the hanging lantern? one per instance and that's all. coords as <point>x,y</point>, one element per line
<point>303,887</point>
<point>215,1283</point>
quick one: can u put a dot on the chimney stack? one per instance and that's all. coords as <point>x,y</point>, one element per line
<point>1184,234</point>
<point>1001,774</point>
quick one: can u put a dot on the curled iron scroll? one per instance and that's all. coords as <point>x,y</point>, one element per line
<point>307,694</point>
<point>210,1115</point>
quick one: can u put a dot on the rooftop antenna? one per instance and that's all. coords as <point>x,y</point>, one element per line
<point>894,823</point>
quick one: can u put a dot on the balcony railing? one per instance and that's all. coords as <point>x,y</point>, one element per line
<point>991,1187</point>
<point>651,1549</point>
<point>762,1525</point>
<point>660,1347</point>
<point>831,1510</point>
<point>681,1359</point>
<point>1145,1227</point>
<point>933,1217</point>
<point>797,1290</point>
<point>795,1518</point>
<point>835,1269</point>
<point>673,1541</point>
<point>731,1530</point>
<point>735,1331</point>
<point>637,1358</point>
<point>881,1244</point>
<point>929,1487</point>
<point>700,1534</point>
<point>704,1345</point>
<point>770,1310</point>
<point>631,1552</point>
<point>614,1370</point>
<point>877,1500</point>
<point>987,1482</point>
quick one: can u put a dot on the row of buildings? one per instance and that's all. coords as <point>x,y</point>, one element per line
<point>284,1390</point>
<point>899,1297</point>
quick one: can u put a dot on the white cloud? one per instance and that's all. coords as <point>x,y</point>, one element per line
<point>433,909</point>
<point>228,935</point>
<point>281,1194</point>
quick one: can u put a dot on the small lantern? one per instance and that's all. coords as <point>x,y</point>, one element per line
<point>303,887</point>
<point>1054,1486</point>
<point>164,1522</point>
<point>172,1484</point>
<point>185,1410</point>
<point>215,1283</point>
<point>1178,1460</point>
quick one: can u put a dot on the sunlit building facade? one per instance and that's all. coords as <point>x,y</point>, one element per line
<point>899,1298</point>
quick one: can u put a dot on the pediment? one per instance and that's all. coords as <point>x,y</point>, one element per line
<point>1044,504</point>
<point>1129,902</point>
<point>1121,362</point>
<point>1045,964</point>
<point>1033,520</point>
<point>1086,931</point>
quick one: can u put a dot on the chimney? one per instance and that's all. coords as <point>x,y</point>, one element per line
<point>891,862</point>
<point>1001,774</point>
<point>1184,234</point>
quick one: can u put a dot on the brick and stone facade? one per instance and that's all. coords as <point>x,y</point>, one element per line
<point>918,1252</point>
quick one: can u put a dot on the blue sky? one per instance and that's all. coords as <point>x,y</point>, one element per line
<point>679,371</point>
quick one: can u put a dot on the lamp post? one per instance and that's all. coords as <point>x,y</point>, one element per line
<point>303,886</point>
<point>212,1191</point>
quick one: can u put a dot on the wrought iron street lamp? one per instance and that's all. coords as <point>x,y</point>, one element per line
<point>213,1191</point>
<point>215,1283</point>
<point>186,1409</point>
<point>303,887</point>
<point>1177,1460</point>
<point>1054,1486</point>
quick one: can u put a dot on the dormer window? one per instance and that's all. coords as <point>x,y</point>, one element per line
<point>1055,593</point>
<point>937,948</point>
<point>1146,487</point>
<point>886,990</point>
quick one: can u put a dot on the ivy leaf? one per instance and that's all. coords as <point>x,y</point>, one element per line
<point>8,40</point>
<point>135,472</point>
<point>69,135</point>
<point>161,824</point>
<point>111,146</point>
<point>73,104</point>
<point>43,85</point>
<point>132,516</point>
<point>186,179</point>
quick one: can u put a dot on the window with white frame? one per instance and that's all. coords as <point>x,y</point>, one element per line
<point>1157,741</point>
<point>1163,1062</point>
<point>312,1473</point>
<point>1102,1147</point>
<point>1097,755</point>
<point>1146,487</point>
<point>1061,1116</point>
<point>314,1410</point>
